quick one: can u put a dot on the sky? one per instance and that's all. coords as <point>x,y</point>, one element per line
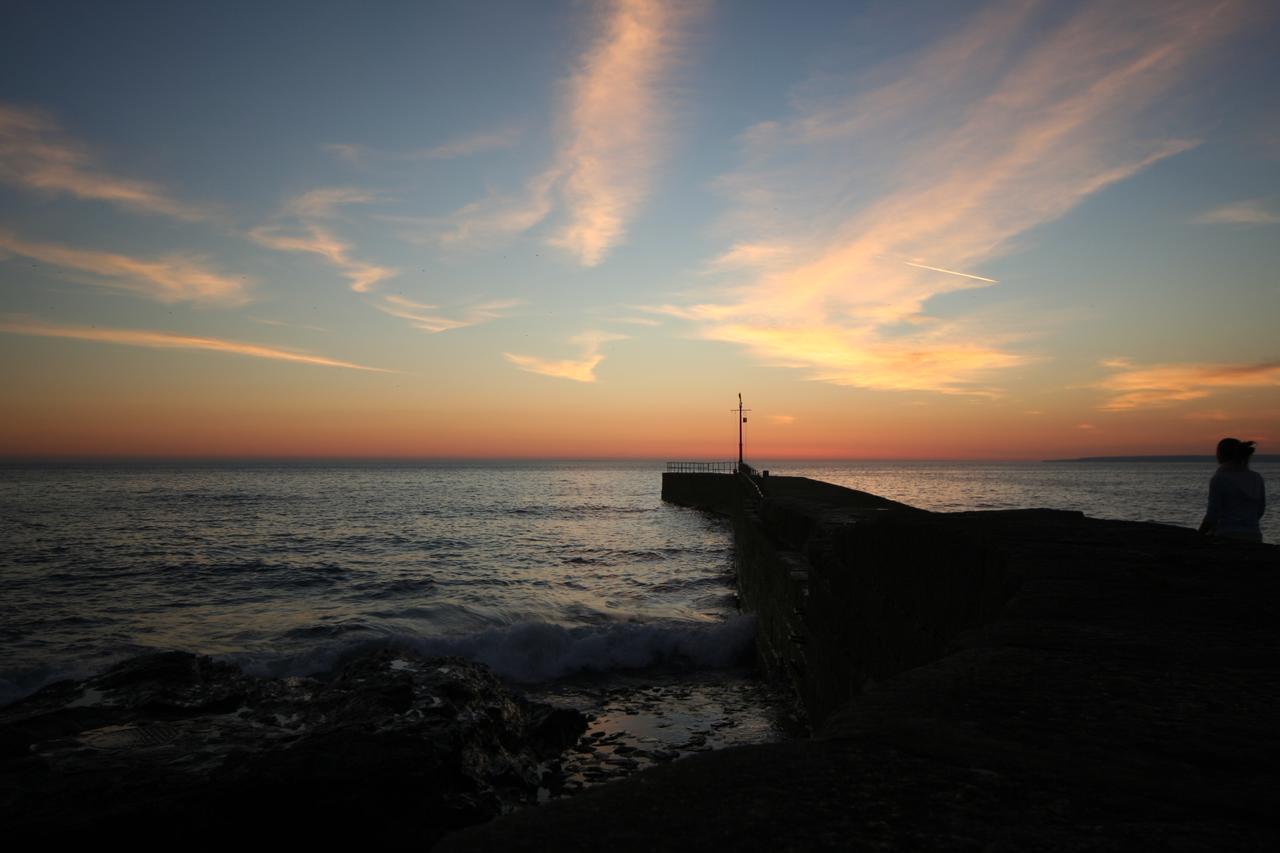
<point>916,230</point>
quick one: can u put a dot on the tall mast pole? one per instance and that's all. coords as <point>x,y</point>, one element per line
<point>740,460</point>
<point>741,420</point>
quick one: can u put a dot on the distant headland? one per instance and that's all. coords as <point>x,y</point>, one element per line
<point>1261,457</point>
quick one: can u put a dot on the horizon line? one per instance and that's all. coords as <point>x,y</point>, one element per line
<point>83,458</point>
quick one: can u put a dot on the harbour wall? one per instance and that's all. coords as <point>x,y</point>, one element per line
<point>1007,680</point>
<point>847,603</point>
<point>716,493</point>
<point>848,588</point>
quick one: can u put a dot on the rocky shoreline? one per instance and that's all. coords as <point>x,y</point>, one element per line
<point>390,745</point>
<point>178,746</point>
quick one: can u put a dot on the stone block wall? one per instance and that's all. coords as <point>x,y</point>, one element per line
<point>845,599</point>
<point>713,492</point>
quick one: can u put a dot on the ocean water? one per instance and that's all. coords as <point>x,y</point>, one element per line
<point>541,571</point>
<point>550,573</point>
<point>1162,492</point>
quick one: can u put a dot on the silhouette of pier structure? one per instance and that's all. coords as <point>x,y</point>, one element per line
<point>1004,680</point>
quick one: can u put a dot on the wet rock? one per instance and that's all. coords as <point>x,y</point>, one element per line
<point>388,746</point>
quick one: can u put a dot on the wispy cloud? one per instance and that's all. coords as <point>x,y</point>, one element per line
<point>307,230</point>
<point>429,318</point>
<point>37,155</point>
<point>1239,213</point>
<point>1213,415</point>
<point>884,187</point>
<point>168,340</point>
<point>466,146</point>
<point>615,118</point>
<point>172,278</point>
<point>636,321</point>
<point>1135,387</point>
<point>325,202</point>
<point>752,256</point>
<point>582,369</point>
<point>318,240</point>
<point>613,135</point>
<point>497,215</point>
<point>267,321</point>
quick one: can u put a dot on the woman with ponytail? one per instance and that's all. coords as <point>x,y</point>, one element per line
<point>1237,497</point>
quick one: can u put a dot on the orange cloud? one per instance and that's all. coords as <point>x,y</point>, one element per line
<point>1215,415</point>
<point>168,340</point>
<point>428,318</point>
<point>752,255</point>
<point>579,370</point>
<point>309,236</point>
<point>173,278</point>
<point>959,150</point>
<point>1136,387</point>
<point>318,240</point>
<point>636,321</point>
<point>35,154</point>
<point>615,119</point>
<point>613,124</point>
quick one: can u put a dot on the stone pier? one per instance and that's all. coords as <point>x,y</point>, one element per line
<point>1024,680</point>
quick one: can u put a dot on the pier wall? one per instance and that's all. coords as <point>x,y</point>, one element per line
<point>1024,680</point>
<point>850,600</point>
<point>712,492</point>
<point>848,588</point>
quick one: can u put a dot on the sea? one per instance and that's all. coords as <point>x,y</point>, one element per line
<point>572,580</point>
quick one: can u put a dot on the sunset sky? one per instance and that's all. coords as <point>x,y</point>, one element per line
<point>579,229</point>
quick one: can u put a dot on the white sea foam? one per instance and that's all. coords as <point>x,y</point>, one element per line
<point>536,651</point>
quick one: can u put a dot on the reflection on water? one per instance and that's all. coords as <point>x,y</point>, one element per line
<point>285,566</point>
<point>637,722</point>
<point>543,570</point>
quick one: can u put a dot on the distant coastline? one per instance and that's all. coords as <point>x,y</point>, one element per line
<point>1261,457</point>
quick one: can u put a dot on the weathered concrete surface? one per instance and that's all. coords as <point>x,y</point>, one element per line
<point>1066,684</point>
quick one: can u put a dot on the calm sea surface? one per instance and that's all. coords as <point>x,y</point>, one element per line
<point>544,571</point>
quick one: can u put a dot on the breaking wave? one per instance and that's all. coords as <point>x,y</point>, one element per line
<point>534,652</point>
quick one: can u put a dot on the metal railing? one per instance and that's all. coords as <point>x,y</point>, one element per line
<point>701,467</point>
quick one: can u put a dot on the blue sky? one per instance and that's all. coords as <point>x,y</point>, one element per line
<point>907,229</point>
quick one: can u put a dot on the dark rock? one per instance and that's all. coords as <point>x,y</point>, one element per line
<point>176,745</point>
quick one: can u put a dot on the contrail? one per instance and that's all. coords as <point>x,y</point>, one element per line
<point>951,272</point>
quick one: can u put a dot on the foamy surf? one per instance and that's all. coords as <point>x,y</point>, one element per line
<point>534,652</point>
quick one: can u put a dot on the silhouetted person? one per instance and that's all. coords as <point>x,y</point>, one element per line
<point>1237,497</point>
